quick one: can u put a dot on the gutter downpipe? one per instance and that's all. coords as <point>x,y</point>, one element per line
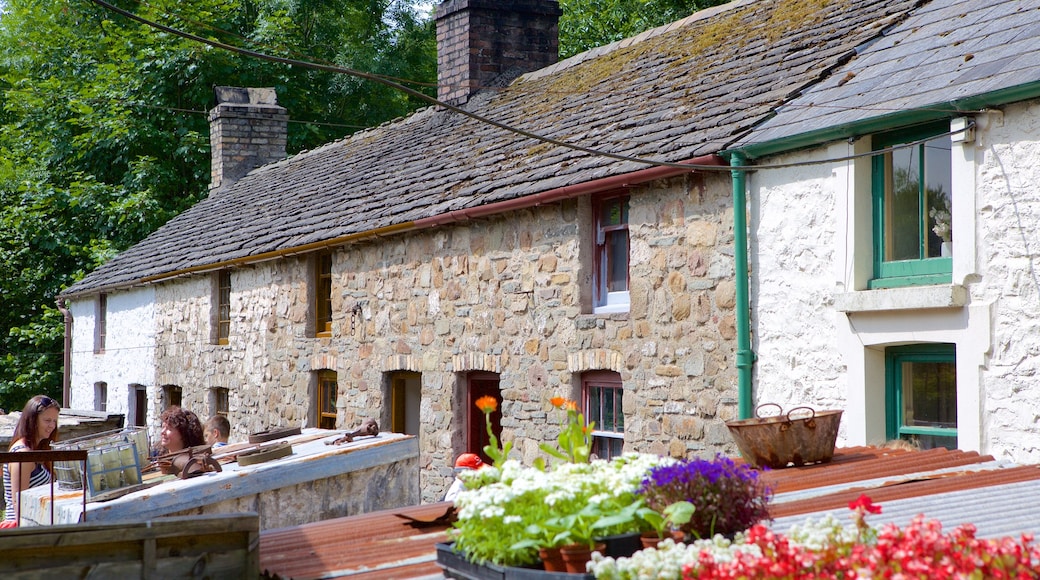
<point>745,356</point>
<point>66,357</point>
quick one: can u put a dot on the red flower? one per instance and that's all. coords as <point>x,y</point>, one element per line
<point>863,504</point>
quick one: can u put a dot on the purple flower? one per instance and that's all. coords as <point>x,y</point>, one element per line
<point>728,497</point>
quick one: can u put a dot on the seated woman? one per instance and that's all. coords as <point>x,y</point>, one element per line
<point>181,429</point>
<point>36,428</point>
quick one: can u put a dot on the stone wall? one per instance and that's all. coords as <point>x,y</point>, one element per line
<point>507,295</point>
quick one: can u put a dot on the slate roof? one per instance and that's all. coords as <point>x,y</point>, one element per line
<point>948,55</point>
<point>671,94</point>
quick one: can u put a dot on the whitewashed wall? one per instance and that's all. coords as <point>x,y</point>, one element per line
<point>129,356</point>
<point>820,337</point>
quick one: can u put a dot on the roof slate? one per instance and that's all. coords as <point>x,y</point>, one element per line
<point>672,94</point>
<point>944,51</point>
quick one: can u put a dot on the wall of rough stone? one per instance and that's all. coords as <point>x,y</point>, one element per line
<point>506,295</point>
<point>377,488</point>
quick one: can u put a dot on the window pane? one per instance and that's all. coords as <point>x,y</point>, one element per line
<point>902,206</point>
<point>617,261</point>
<point>938,185</point>
<point>930,394</point>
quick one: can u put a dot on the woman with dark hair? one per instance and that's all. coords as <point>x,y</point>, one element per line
<point>36,428</point>
<point>181,429</point>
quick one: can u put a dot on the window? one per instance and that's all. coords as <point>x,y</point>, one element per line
<point>171,395</point>
<point>100,396</point>
<point>100,329</point>
<point>223,306</point>
<point>323,295</point>
<point>405,395</point>
<point>602,392</point>
<point>326,399</point>
<point>139,405</point>
<point>610,278</point>
<point>913,236</point>
<point>218,401</point>
<point>922,394</point>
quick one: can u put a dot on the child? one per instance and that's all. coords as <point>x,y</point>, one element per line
<point>217,431</point>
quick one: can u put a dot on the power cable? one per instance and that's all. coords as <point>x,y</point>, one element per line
<point>492,122</point>
<point>400,87</point>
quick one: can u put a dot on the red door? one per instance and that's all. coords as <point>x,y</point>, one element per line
<point>480,385</point>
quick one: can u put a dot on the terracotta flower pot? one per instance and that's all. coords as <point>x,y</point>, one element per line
<point>552,559</point>
<point>575,556</point>
<point>651,539</point>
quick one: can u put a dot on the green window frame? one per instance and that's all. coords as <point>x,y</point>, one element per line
<point>911,215</point>
<point>921,394</point>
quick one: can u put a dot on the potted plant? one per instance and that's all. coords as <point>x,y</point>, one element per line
<point>727,497</point>
<point>665,523</point>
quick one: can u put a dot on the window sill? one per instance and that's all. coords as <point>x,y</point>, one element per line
<point>908,298</point>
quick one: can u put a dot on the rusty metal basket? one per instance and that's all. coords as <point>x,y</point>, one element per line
<point>780,440</point>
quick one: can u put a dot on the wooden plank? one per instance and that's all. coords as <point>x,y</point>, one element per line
<point>222,545</point>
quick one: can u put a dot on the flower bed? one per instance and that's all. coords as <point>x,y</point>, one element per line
<point>827,549</point>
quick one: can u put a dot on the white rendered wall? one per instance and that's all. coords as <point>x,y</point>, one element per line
<point>820,336</point>
<point>129,356</point>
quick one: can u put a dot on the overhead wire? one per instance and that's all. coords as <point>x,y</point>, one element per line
<point>481,118</point>
<point>403,88</point>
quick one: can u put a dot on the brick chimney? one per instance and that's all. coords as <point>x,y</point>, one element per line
<point>477,40</point>
<point>247,129</point>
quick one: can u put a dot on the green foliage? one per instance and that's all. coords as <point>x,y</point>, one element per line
<point>586,24</point>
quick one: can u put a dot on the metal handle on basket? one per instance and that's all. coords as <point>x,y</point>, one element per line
<point>811,420</point>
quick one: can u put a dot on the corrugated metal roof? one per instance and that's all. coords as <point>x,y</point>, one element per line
<point>954,487</point>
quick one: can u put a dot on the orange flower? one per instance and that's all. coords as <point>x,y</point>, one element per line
<point>570,405</point>
<point>487,404</point>
<point>557,401</point>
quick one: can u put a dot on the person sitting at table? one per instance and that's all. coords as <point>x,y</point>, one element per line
<point>36,429</point>
<point>181,429</point>
<point>217,431</point>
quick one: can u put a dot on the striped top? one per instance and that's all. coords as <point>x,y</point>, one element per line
<point>39,476</point>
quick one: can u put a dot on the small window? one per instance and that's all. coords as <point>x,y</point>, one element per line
<point>139,405</point>
<point>101,328</point>
<point>922,394</point>
<point>326,399</point>
<point>602,394</point>
<point>610,279</point>
<point>171,395</point>
<point>101,396</point>
<point>913,229</point>
<point>218,401</point>
<point>405,395</point>
<point>223,306</point>
<point>323,295</point>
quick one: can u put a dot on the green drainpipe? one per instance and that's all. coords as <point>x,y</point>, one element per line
<point>745,356</point>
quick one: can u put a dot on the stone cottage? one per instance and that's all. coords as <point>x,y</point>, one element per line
<point>894,211</point>
<point>547,228</point>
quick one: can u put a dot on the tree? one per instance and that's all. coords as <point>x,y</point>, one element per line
<point>586,24</point>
